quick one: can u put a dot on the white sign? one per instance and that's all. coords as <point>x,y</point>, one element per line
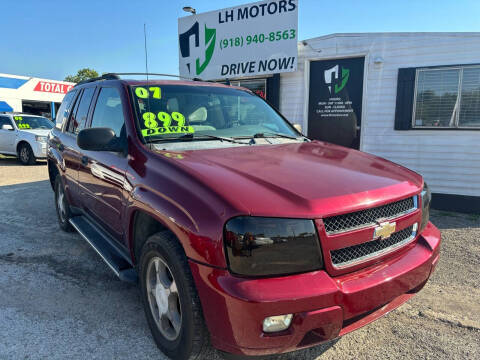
<point>253,39</point>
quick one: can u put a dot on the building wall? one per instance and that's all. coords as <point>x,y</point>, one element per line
<point>448,159</point>
<point>14,89</point>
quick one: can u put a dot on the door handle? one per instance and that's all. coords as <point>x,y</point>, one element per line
<point>84,160</point>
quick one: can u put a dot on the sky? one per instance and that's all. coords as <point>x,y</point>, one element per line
<point>55,38</point>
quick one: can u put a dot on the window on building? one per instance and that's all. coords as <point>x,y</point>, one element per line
<point>40,108</point>
<point>469,115</point>
<point>258,86</point>
<point>447,97</point>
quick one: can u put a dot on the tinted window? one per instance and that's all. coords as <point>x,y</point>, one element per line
<point>5,120</point>
<point>64,110</point>
<point>73,123</point>
<point>108,110</point>
<point>82,110</point>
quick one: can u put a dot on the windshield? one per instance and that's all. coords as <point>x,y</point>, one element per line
<point>171,111</point>
<point>32,122</point>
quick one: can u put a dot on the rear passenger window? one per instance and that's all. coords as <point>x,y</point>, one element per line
<point>72,123</point>
<point>64,109</point>
<point>108,111</point>
<point>79,118</point>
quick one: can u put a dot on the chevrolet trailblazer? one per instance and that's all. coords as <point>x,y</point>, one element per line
<point>243,234</point>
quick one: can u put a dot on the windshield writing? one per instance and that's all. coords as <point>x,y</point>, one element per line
<point>32,122</point>
<point>172,110</point>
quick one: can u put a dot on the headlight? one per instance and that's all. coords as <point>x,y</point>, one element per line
<point>41,138</point>
<point>426,199</point>
<point>257,246</point>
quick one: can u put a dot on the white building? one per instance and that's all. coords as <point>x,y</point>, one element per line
<point>413,98</point>
<point>31,95</point>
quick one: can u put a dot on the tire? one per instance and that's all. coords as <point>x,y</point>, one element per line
<point>189,339</point>
<point>25,155</point>
<point>62,206</point>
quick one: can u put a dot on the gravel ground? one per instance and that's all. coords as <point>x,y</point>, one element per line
<point>59,300</point>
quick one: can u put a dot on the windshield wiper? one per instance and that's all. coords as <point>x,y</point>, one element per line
<point>221,138</point>
<point>200,137</point>
<point>272,134</point>
<point>267,135</point>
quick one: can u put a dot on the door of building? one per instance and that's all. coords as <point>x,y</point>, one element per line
<point>335,101</point>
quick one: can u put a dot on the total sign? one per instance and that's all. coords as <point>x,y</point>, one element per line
<point>52,87</point>
<point>253,39</point>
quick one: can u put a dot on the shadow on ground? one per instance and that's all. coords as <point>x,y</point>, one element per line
<point>13,161</point>
<point>452,220</point>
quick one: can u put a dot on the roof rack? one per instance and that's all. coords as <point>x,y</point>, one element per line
<point>109,76</point>
<point>116,76</point>
<point>154,74</point>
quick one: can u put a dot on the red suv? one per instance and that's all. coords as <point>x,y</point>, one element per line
<point>243,233</point>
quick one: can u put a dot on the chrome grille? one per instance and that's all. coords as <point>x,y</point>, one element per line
<point>368,217</point>
<point>361,252</point>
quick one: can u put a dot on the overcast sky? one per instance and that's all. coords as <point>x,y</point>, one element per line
<point>54,38</point>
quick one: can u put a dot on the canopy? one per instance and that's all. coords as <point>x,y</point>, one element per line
<point>5,107</point>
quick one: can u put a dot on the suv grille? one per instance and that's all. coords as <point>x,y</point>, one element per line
<point>357,253</point>
<point>368,217</point>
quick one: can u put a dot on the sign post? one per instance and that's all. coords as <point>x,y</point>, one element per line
<point>247,40</point>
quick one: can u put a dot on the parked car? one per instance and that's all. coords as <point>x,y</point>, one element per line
<point>24,136</point>
<point>242,233</point>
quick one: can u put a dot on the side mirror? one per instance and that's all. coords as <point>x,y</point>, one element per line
<point>7,127</point>
<point>298,127</point>
<point>99,139</point>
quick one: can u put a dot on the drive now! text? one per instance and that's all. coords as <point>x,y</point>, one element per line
<point>261,66</point>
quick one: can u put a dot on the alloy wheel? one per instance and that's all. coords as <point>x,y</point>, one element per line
<point>163,298</point>
<point>24,154</point>
<point>62,209</point>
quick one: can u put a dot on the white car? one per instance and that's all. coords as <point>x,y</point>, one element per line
<point>25,136</point>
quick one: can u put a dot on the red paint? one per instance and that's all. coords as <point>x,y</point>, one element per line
<point>194,194</point>
<point>52,87</point>
<point>234,308</point>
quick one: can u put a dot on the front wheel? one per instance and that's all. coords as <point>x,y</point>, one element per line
<point>62,207</point>
<point>25,155</point>
<point>170,299</point>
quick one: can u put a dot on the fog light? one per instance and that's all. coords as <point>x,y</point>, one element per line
<point>277,323</point>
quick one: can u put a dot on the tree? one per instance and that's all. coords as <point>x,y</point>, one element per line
<point>82,74</point>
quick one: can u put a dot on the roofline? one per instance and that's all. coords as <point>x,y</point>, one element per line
<point>14,113</point>
<point>142,82</point>
<point>23,77</point>
<point>446,34</point>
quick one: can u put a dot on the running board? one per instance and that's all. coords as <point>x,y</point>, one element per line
<point>104,247</point>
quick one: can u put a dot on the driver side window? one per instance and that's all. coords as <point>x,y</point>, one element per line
<point>109,111</point>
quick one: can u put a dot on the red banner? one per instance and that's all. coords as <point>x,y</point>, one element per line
<point>52,87</point>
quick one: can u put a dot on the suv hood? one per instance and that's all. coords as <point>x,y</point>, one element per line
<point>308,179</point>
<point>40,132</point>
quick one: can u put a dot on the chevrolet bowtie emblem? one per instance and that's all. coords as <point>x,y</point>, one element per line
<point>384,230</point>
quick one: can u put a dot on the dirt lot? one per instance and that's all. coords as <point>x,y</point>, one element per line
<point>58,300</point>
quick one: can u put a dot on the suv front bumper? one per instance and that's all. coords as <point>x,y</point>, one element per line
<point>324,307</point>
<point>39,149</point>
